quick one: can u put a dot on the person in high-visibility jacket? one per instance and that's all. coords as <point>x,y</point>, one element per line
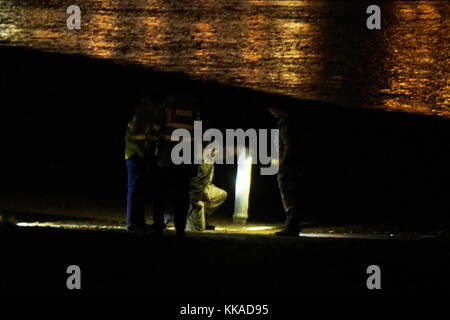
<point>148,150</point>
<point>141,151</point>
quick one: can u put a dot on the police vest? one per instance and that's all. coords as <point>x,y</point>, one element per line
<point>180,118</point>
<point>176,118</point>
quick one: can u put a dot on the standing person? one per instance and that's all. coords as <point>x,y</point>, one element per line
<point>205,198</point>
<point>293,172</point>
<point>141,151</point>
<point>173,180</point>
<point>148,149</point>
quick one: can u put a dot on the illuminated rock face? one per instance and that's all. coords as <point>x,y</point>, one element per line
<point>319,49</point>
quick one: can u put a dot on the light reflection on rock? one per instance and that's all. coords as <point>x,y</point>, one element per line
<point>301,48</point>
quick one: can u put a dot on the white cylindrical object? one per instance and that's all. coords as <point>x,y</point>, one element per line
<point>243,179</point>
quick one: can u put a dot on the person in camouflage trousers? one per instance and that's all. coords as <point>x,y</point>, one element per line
<point>205,198</point>
<point>292,174</point>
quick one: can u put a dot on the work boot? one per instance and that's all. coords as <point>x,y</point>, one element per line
<point>292,227</point>
<point>157,230</point>
<point>288,232</point>
<point>209,227</point>
<point>139,228</point>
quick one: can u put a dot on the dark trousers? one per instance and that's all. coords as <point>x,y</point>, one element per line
<point>136,168</point>
<point>168,187</point>
<point>294,182</point>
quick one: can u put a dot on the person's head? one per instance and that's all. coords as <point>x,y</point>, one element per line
<point>157,96</point>
<point>152,93</point>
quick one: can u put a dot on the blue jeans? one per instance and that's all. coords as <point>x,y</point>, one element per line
<point>137,170</point>
<point>169,188</point>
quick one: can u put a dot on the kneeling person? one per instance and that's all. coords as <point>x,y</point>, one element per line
<point>205,198</point>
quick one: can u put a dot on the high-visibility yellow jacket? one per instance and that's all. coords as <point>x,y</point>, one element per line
<point>143,131</point>
<point>149,131</point>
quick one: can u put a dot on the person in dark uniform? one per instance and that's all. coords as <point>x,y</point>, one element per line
<point>293,173</point>
<point>148,148</point>
<point>174,182</point>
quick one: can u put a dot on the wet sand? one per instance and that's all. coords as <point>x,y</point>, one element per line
<point>217,268</point>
